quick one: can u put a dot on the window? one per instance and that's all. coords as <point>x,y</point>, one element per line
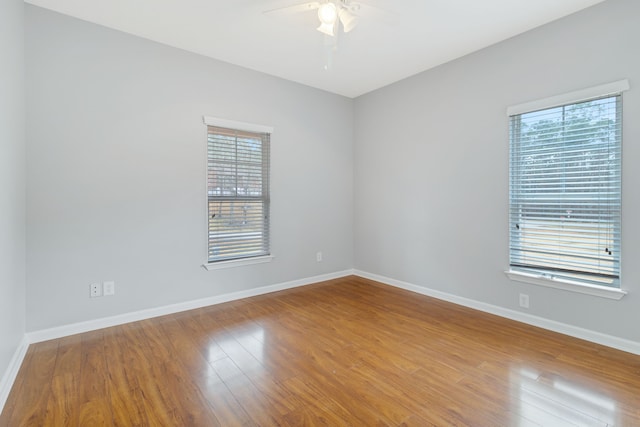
<point>565,190</point>
<point>238,190</point>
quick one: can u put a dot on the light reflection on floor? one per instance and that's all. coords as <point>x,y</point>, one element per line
<point>251,342</point>
<point>551,400</point>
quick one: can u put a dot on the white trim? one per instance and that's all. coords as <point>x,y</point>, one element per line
<point>237,262</point>
<point>11,373</point>
<point>563,328</point>
<point>570,98</point>
<point>566,285</point>
<point>105,322</point>
<point>232,124</point>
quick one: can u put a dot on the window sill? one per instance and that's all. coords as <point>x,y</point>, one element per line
<point>567,285</point>
<point>237,262</point>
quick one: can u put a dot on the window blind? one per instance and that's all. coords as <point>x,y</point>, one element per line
<point>238,193</point>
<point>565,191</point>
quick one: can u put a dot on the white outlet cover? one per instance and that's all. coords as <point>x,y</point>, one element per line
<point>109,288</point>
<point>95,290</point>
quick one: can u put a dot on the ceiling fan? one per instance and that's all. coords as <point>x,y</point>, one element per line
<point>330,13</point>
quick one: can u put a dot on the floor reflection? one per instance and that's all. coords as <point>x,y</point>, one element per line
<point>242,344</point>
<point>552,400</point>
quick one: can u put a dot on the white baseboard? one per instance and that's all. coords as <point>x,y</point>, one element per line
<point>11,373</point>
<point>563,328</point>
<point>105,322</point>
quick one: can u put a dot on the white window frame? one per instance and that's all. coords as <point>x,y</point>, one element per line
<point>548,280</point>
<point>240,126</point>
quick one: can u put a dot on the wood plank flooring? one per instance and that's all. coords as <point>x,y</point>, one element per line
<point>348,352</point>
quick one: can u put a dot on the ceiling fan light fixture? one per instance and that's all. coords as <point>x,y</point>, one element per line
<point>348,20</point>
<point>328,13</point>
<point>328,29</point>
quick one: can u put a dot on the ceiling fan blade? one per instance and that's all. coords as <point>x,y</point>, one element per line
<point>368,10</point>
<point>293,9</point>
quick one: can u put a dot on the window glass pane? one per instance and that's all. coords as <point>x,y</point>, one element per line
<point>238,194</point>
<point>565,191</point>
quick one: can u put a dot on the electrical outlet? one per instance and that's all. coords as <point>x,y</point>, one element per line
<point>95,290</point>
<point>524,300</point>
<point>319,256</point>
<point>108,288</point>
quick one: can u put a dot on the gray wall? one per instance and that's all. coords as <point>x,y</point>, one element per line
<point>12,180</point>
<point>431,165</point>
<point>116,172</point>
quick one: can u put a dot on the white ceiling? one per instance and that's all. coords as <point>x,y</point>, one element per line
<point>394,39</point>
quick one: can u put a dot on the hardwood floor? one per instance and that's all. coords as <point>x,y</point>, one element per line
<point>344,352</point>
